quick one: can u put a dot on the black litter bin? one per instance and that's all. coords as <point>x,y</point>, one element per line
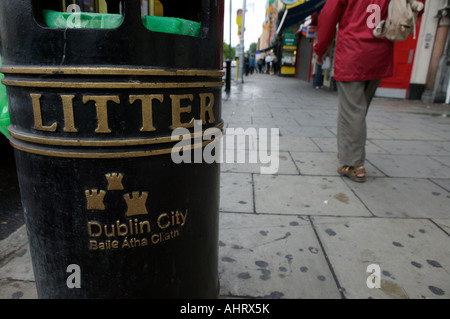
<point>109,213</point>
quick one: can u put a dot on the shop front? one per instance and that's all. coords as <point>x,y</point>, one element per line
<point>288,53</point>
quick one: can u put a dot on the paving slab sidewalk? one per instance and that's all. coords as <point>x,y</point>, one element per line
<point>306,232</point>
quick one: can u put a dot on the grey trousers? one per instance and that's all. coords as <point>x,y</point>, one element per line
<point>354,102</point>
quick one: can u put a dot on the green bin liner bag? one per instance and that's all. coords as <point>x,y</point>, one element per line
<point>4,111</point>
<point>55,19</point>
<point>172,25</point>
<point>64,20</point>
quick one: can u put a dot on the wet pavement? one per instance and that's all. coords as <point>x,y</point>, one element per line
<point>305,232</point>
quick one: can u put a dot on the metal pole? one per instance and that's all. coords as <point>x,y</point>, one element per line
<point>228,74</point>
<point>242,49</point>
<point>228,77</point>
<point>231,14</point>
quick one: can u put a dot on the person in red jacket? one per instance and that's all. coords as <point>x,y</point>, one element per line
<point>361,61</point>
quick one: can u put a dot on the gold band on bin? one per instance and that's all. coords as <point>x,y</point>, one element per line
<point>110,85</point>
<point>108,71</point>
<point>105,155</point>
<point>76,142</point>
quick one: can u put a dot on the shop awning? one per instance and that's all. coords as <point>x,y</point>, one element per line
<point>298,13</point>
<point>267,49</point>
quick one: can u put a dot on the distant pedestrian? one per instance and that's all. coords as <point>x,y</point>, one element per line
<point>246,65</point>
<point>361,61</point>
<point>318,77</point>
<point>274,67</point>
<point>252,62</point>
<point>269,59</point>
<point>260,65</point>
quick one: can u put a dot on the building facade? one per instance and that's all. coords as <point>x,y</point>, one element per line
<point>421,64</point>
<point>421,69</point>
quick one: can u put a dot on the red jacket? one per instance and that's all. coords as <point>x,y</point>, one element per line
<point>359,56</point>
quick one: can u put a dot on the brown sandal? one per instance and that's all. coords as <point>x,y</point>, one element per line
<point>354,173</point>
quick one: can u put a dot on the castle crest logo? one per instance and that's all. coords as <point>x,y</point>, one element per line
<point>95,199</point>
<point>114,181</point>
<point>136,226</point>
<point>136,203</point>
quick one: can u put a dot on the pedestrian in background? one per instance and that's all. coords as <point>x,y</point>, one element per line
<point>260,65</point>
<point>252,62</point>
<point>317,79</point>
<point>274,65</point>
<point>268,61</point>
<point>246,64</point>
<point>361,61</point>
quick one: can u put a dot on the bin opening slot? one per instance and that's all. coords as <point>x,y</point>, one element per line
<point>176,17</point>
<point>173,16</point>
<point>103,14</point>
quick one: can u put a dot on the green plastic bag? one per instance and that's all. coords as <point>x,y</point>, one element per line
<point>55,19</point>
<point>172,25</point>
<point>4,121</point>
<point>4,111</point>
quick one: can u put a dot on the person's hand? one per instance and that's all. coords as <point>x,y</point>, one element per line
<point>320,59</point>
